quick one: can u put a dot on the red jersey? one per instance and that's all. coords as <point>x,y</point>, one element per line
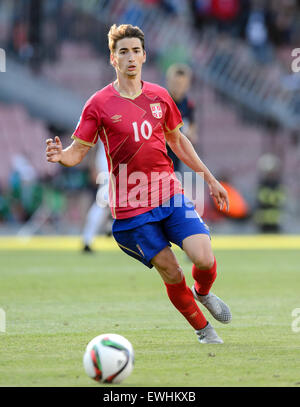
<point>132,130</point>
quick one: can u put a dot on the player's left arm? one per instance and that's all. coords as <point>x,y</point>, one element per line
<point>191,133</point>
<point>183,148</point>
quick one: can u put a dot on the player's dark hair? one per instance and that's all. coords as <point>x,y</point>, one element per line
<point>117,33</point>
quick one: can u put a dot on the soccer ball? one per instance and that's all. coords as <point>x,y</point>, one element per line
<point>108,358</point>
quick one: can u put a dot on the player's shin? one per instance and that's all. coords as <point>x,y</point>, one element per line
<point>182,298</point>
<point>204,279</point>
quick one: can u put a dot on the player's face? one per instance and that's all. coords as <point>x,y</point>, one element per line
<point>128,57</point>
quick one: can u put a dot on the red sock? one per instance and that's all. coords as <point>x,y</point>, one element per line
<point>204,278</point>
<point>182,298</point>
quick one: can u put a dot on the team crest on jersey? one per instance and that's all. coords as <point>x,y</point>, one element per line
<point>156,110</point>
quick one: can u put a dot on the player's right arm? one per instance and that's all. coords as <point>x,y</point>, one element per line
<point>70,156</point>
<point>85,135</point>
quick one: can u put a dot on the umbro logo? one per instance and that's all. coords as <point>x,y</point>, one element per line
<point>116,118</point>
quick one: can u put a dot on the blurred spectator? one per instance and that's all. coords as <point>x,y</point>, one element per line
<point>66,19</point>
<point>175,7</point>
<point>134,14</point>
<point>201,10</point>
<point>19,42</point>
<point>225,14</point>
<point>179,78</point>
<point>285,17</point>
<point>270,194</point>
<point>25,187</point>
<point>5,212</point>
<point>257,31</point>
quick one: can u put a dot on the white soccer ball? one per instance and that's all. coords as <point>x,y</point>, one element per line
<point>108,358</point>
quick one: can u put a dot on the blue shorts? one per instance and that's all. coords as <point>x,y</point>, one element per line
<point>144,236</point>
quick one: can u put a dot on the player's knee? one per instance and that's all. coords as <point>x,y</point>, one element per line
<point>205,262</point>
<point>168,267</point>
<point>175,276</point>
<point>172,274</point>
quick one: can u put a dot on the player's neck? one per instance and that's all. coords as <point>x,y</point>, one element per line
<point>128,86</point>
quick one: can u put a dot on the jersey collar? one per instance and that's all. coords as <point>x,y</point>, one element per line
<point>126,96</point>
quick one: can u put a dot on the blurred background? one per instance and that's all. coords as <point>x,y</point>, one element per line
<point>242,100</point>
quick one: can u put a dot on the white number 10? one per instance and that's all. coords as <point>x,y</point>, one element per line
<point>136,130</point>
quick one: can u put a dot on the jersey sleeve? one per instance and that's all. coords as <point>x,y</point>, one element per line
<point>173,119</point>
<point>87,128</point>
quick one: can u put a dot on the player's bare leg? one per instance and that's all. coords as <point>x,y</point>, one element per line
<point>168,267</point>
<point>181,296</point>
<point>198,249</point>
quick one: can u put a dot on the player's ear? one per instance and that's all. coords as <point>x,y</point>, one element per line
<point>112,59</point>
<point>145,56</point>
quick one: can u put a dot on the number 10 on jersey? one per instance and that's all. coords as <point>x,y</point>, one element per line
<point>146,134</point>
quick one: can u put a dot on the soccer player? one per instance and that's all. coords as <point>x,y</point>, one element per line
<point>134,119</point>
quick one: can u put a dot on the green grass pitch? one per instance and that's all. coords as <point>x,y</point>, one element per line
<point>56,301</point>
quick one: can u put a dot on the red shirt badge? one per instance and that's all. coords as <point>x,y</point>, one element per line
<point>156,110</point>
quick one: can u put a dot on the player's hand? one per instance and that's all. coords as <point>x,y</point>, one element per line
<point>54,150</point>
<point>218,192</point>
